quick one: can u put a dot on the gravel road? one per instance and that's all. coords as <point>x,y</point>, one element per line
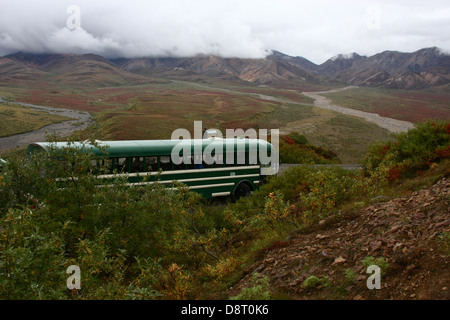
<point>392,125</point>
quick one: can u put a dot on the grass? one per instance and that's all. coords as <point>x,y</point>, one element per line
<point>345,135</point>
<point>17,119</point>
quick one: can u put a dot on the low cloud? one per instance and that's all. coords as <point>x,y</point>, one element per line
<point>230,28</point>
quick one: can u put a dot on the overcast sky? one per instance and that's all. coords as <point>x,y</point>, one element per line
<point>316,30</point>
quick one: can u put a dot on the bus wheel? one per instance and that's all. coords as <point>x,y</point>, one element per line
<point>242,190</point>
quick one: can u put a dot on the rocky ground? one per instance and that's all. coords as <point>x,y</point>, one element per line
<point>407,233</point>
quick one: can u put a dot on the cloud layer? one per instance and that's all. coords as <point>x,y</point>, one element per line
<point>315,30</point>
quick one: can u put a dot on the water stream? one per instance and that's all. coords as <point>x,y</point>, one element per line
<point>81,120</point>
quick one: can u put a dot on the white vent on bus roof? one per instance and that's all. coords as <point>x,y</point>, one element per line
<point>211,134</point>
<point>87,141</point>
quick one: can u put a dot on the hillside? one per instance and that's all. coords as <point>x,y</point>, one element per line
<point>421,69</point>
<point>424,68</point>
<point>405,232</point>
<point>271,70</point>
<point>64,69</point>
<point>12,70</point>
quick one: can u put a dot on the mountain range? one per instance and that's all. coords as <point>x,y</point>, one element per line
<point>424,68</point>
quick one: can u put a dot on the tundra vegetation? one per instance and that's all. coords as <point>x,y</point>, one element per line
<point>150,242</point>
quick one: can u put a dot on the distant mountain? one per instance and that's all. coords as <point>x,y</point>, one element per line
<point>273,69</point>
<point>12,71</point>
<point>300,62</point>
<point>421,69</point>
<point>85,69</point>
<point>339,65</point>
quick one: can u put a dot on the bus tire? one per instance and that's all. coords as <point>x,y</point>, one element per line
<point>242,190</point>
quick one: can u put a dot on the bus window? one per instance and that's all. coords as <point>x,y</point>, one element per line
<point>178,159</point>
<point>137,164</point>
<point>121,164</point>
<point>181,166</point>
<point>189,162</point>
<point>207,161</point>
<point>241,159</point>
<point>103,165</point>
<point>266,161</point>
<point>218,160</point>
<point>108,165</point>
<point>151,163</point>
<point>197,163</point>
<point>230,159</point>
<point>94,166</point>
<point>166,164</point>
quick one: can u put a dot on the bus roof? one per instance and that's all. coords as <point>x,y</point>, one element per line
<point>127,148</point>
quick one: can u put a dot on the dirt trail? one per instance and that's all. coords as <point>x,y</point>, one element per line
<point>81,121</point>
<point>392,125</point>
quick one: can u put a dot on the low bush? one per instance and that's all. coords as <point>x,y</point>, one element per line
<point>412,151</point>
<point>54,213</point>
<point>151,242</point>
<point>294,148</point>
<point>258,289</point>
<point>314,282</point>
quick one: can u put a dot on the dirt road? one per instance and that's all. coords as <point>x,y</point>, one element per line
<point>392,125</point>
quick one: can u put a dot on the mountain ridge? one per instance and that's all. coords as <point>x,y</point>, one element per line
<point>424,68</point>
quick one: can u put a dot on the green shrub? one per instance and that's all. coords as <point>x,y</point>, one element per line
<point>294,148</point>
<point>350,276</point>
<point>444,242</point>
<point>315,282</point>
<point>54,214</point>
<point>412,151</point>
<point>298,138</point>
<point>32,256</point>
<point>258,290</point>
<point>380,262</point>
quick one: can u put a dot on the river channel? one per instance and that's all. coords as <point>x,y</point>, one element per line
<point>81,120</point>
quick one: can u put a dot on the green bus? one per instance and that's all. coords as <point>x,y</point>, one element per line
<point>212,167</point>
